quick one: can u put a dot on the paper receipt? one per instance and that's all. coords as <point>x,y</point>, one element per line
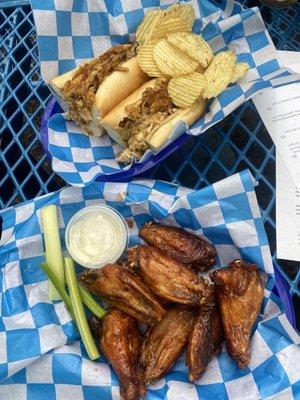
<point>280,111</point>
<point>287,213</point>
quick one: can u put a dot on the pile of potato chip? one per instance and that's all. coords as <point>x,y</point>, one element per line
<point>168,48</point>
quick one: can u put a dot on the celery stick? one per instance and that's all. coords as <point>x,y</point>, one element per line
<point>59,287</point>
<point>80,317</point>
<point>54,256</point>
<point>89,301</point>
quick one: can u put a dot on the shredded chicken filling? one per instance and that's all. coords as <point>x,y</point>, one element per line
<point>143,116</point>
<point>79,92</point>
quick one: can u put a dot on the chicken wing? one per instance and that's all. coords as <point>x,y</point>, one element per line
<point>122,288</point>
<point>121,344</point>
<point>239,291</point>
<point>204,342</point>
<point>164,343</point>
<point>180,244</point>
<point>168,278</point>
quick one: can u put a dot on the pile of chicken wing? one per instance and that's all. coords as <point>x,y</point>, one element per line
<point>160,285</point>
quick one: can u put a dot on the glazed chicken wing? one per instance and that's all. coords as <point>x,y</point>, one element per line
<point>122,288</point>
<point>121,344</point>
<point>239,291</point>
<point>164,343</point>
<point>180,244</point>
<point>204,342</point>
<point>168,278</point>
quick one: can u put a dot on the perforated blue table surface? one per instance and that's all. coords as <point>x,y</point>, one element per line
<point>238,142</point>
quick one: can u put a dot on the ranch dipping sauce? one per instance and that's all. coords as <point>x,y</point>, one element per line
<point>96,236</point>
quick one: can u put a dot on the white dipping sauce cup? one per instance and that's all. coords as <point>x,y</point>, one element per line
<point>96,236</point>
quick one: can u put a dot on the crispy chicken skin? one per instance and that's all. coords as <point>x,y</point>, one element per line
<point>168,278</point>
<point>239,290</point>
<point>204,342</point>
<point>180,244</point>
<point>121,344</point>
<point>217,335</point>
<point>122,288</point>
<point>164,343</point>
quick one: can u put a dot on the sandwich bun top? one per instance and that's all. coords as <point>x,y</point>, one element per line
<point>118,85</point>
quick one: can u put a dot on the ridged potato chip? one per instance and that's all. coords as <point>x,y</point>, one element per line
<point>172,61</point>
<point>219,73</point>
<point>168,26</point>
<point>146,60</point>
<point>193,45</point>
<point>183,11</point>
<point>184,90</point>
<point>239,71</point>
<point>147,26</point>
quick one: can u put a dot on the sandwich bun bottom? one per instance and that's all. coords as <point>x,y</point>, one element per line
<point>157,138</point>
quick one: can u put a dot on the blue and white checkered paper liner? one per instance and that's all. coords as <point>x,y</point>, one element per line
<point>71,31</point>
<point>41,357</point>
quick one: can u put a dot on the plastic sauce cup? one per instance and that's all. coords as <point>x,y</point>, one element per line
<point>96,236</point>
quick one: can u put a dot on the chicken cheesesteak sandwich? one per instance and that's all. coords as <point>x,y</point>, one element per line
<point>146,118</point>
<point>139,93</point>
<point>93,89</point>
